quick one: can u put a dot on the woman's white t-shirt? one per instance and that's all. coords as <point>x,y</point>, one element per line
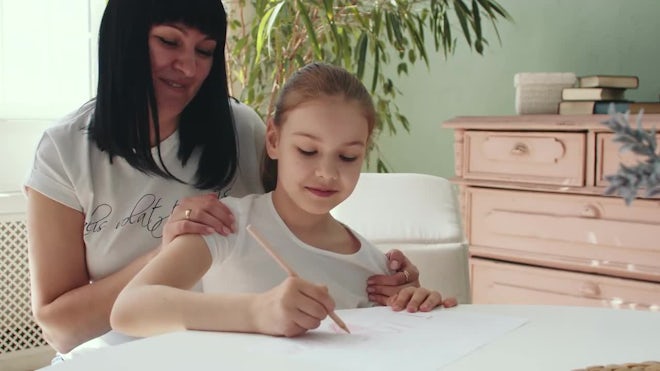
<point>125,209</point>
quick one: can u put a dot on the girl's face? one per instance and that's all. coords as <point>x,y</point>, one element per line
<point>181,59</point>
<point>320,148</point>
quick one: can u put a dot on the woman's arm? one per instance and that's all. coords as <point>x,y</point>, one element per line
<point>157,300</point>
<point>68,308</point>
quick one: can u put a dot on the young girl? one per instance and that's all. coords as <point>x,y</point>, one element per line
<point>317,141</point>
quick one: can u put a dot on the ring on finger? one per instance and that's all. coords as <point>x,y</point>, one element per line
<point>188,211</point>
<point>407,275</point>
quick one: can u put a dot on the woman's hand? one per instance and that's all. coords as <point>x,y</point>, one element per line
<point>292,308</point>
<point>415,299</point>
<point>380,287</point>
<point>203,215</point>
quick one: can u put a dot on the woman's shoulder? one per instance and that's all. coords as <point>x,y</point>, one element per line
<point>71,127</point>
<point>244,115</point>
<point>251,133</point>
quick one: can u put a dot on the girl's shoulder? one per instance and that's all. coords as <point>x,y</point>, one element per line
<point>244,205</point>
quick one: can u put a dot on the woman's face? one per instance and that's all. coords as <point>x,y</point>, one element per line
<point>181,59</point>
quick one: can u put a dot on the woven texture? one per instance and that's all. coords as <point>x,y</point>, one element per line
<point>540,93</point>
<point>18,331</point>
<point>643,366</point>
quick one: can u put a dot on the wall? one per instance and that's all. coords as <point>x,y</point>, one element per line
<point>580,36</point>
<point>18,140</point>
<point>47,69</point>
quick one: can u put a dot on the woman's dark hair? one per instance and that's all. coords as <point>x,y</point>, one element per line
<point>316,81</point>
<point>125,96</point>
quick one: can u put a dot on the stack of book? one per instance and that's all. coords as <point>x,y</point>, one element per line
<point>595,94</point>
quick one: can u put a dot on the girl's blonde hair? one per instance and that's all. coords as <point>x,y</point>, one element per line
<point>311,82</point>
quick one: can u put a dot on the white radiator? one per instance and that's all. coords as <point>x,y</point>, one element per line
<point>18,331</point>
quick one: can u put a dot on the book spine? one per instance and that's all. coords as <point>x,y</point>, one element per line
<point>603,107</point>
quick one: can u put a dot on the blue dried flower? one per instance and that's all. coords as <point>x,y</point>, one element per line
<point>628,180</point>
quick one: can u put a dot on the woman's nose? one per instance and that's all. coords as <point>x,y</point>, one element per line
<point>186,63</point>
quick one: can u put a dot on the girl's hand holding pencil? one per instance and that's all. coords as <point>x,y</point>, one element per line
<point>299,303</point>
<point>292,308</point>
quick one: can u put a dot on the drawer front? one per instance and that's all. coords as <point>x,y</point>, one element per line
<point>587,233</point>
<point>609,156</point>
<point>505,283</point>
<point>534,157</point>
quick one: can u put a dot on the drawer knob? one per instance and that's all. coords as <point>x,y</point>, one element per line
<point>590,289</point>
<point>520,149</point>
<point>590,211</point>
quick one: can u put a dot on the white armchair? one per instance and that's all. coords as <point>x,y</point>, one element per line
<point>419,215</point>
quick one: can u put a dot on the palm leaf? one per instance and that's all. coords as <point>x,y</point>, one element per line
<point>360,36</point>
<point>304,14</point>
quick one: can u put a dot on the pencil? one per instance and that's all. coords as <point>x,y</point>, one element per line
<point>257,236</point>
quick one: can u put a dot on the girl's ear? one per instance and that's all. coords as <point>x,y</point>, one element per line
<point>272,139</point>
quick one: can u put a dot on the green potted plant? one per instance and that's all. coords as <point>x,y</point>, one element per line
<point>270,39</point>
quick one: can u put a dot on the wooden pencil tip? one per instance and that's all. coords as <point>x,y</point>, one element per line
<point>339,322</point>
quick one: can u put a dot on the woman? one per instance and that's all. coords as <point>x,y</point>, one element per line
<point>142,163</point>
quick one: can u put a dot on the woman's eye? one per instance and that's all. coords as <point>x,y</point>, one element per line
<point>306,153</point>
<point>347,158</point>
<point>206,52</point>
<point>167,42</point>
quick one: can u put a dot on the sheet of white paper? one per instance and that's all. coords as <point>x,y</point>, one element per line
<point>380,340</point>
<point>383,339</point>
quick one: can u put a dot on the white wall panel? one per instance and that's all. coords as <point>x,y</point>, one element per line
<point>47,69</point>
<point>45,57</point>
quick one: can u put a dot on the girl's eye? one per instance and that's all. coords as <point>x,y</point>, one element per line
<point>167,42</point>
<point>347,158</point>
<point>306,153</point>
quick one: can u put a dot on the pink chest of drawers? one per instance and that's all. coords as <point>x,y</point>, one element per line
<point>539,227</point>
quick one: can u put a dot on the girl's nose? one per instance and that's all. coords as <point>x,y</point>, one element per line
<point>327,170</point>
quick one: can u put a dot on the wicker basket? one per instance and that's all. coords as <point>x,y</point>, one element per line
<point>643,366</point>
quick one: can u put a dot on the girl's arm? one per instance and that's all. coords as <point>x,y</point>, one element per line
<point>414,299</point>
<point>68,308</point>
<point>157,300</point>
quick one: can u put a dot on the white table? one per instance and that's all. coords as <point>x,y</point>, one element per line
<point>567,338</point>
<point>554,338</point>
